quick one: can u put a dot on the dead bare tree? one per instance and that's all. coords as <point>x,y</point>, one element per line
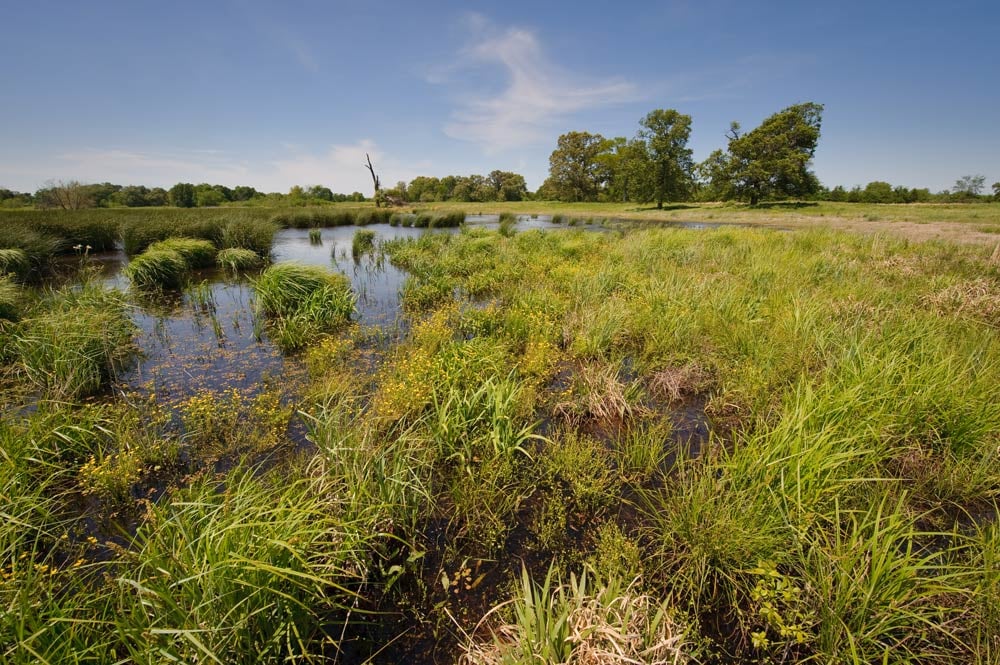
<point>68,195</point>
<point>375,180</point>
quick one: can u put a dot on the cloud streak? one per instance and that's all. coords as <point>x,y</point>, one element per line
<point>536,94</point>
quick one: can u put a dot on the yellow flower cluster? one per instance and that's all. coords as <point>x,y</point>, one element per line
<point>328,352</point>
<point>437,328</point>
<point>407,386</point>
<point>112,476</point>
<point>540,356</point>
<point>221,415</point>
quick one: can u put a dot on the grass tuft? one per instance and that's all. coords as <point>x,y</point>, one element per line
<point>302,302</point>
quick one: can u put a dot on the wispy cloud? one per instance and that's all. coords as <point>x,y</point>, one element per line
<point>537,92</point>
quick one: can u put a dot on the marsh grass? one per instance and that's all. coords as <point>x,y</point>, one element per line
<point>25,251</point>
<point>843,509</point>
<point>153,269</point>
<point>315,236</point>
<point>238,260</point>
<point>10,299</point>
<point>14,261</point>
<point>196,253</point>
<point>302,302</point>
<point>75,342</point>
<point>362,243</point>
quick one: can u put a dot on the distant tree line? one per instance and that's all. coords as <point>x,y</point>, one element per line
<point>966,189</point>
<point>771,162</point>
<point>497,186</point>
<point>72,195</point>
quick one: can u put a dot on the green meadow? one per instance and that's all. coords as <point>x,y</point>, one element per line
<point>633,444</point>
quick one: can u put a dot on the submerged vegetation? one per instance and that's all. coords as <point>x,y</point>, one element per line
<point>649,445</point>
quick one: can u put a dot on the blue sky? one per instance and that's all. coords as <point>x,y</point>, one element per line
<point>273,94</point>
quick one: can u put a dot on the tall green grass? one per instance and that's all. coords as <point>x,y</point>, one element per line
<point>14,261</point>
<point>164,268</point>
<point>166,263</point>
<point>195,252</point>
<point>362,243</point>
<point>75,342</point>
<point>302,302</point>
<point>260,570</point>
<point>237,259</point>
<point>10,299</point>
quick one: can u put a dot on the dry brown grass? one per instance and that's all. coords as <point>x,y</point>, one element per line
<point>608,627</point>
<point>676,383</point>
<point>598,394</point>
<point>977,299</point>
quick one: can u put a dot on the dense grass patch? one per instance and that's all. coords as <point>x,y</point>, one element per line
<point>74,342</point>
<point>302,302</point>
<point>164,268</point>
<point>196,253</point>
<point>257,572</point>
<point>237,259</point>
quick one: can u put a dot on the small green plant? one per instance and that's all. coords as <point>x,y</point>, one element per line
<point>507,223</point>
<point>315,236</point>
<point>362,243</point>
<point>583,621</point>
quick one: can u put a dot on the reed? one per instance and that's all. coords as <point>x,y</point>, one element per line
<point>362,243</point>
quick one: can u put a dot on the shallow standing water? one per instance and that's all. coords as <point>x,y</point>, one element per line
<point>208,337</point>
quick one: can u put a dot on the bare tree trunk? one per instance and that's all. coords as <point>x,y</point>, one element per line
<point>375,180</point>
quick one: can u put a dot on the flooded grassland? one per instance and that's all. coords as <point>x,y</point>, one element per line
<point>506,443</point>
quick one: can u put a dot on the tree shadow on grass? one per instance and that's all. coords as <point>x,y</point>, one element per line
<point>668,206</point>
<point>786,205</point>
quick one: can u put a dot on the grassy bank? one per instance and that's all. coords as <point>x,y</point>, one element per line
<point>658,444</point>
